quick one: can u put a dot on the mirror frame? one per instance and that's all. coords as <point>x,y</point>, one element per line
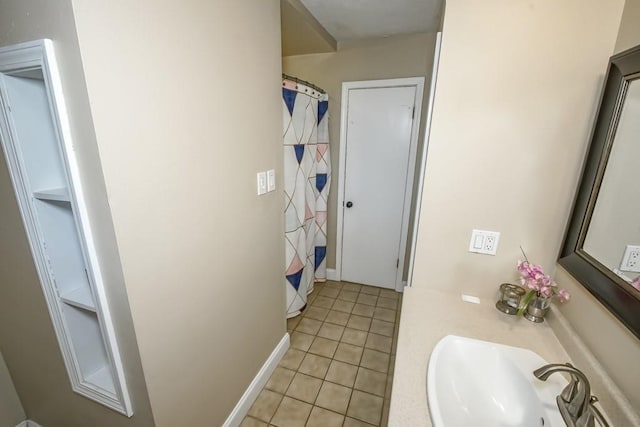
<point>619,297</point>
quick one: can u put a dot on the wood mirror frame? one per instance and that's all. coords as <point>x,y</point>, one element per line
<point>612,291</point>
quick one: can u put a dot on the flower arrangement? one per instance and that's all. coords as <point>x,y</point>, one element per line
<point>538,284</point>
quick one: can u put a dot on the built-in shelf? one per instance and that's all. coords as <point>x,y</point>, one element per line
<point>80,297</point>
<point>35,138</point>
<point>53,194</point>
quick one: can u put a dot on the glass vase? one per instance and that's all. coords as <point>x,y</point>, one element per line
<point>537,308</point>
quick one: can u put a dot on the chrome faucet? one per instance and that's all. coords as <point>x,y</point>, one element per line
<point>575,403</point>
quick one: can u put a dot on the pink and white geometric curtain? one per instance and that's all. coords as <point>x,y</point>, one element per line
<point>307,175</point>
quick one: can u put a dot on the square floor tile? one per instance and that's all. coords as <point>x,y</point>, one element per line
<point>265,405</point>
<point>375,360</point>
<point>304,387</point>
<point>354,336</point>
<point>333,285</point>
<point>341,373</point>
<point>348,295</point>
<point>348,353</point>
<point>280,379</point>
<point>331,331</point>
<point>351,287</point>
<point>334,397</point>
<point>367,299</point>
<point>352,422</point>
<point>322,418</point>
<point>291,413</point>
<point>371,290</point>
<point>363,310</point>
<point>301,341</point>
<point>329,292</point>
<point>358,322</point>
<point>292,359</point>
<point>337,317</point>
<point>323,302</point>
<point>384,314</point>
<point>344,306</point>
<point>323,347</point>
<point>309,326</point>
<point>365,407</point>
<point>292,322</point>
<point>371,381</point>
<point>390,303</point>
<point>389,293</point>
<point>379,342</point>
<point>317,313</point>
<point>381,327</point>
<point>252,422</point>
<point>315,366</point>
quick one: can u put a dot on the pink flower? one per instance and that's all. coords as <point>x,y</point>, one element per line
<point>564,295</point>
<point>532,277</point>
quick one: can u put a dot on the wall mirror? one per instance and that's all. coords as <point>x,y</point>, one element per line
<point>602,245</point>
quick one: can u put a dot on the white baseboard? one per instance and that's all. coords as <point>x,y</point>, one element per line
<point>28,423</point>
<point>332,274</point>
<point>261,378</point>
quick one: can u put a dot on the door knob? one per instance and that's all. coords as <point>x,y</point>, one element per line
<point>349,204</point>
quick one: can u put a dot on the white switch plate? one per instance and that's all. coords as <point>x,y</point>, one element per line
<point>484,242</point>
<point>631,259</point>
<point>271,180</point>
<point>262,183</point>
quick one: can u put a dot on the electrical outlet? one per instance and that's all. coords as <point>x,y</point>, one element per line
<point>631,259</point>
<point>484,242</point>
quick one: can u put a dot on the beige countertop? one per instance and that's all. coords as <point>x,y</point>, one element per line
<point>427,316</point>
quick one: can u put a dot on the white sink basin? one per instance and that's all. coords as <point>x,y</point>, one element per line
<point>478,383</point>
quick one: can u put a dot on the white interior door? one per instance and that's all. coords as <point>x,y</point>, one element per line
<point>379,130</point>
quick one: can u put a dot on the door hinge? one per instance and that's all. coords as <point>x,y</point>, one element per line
<point>413,113</point>
<point>398,263</point>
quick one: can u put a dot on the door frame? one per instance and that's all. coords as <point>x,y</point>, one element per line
<point>418,83</point>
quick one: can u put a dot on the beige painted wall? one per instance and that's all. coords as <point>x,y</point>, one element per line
<point>629,34</point>
<point>516,93</point>
<point>27,340</point>
<point>185,98</point>
<point>11,410</point>
<point>611,342</point>
<point>392,57</point>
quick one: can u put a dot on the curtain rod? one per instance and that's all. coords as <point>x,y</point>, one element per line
<point>304,82</point>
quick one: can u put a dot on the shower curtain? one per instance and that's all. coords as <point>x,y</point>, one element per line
<point>307,173</point>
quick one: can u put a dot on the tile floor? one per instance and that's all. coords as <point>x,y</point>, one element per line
<point>339,368</point>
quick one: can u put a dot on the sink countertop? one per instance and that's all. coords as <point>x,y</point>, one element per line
<point>429,315</point>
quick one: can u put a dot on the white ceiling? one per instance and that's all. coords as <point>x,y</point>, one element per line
<point>362,19</point>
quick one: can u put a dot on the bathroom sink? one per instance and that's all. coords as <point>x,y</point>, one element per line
<point>479,383</point>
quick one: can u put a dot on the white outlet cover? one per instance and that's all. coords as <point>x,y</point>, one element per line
<point>631,259</point>
<point>484,242</point>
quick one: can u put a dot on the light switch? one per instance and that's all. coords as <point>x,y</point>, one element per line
<point>262,183</point>
<point>271,180</point>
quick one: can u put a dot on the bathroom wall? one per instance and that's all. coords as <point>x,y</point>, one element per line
<point>518,84</point>
<point>615,347</point>
<point>629,34</point>
<point>27,339</point>
<point>185,99</point>
<point>11,411</point>
<point>384,58</point>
